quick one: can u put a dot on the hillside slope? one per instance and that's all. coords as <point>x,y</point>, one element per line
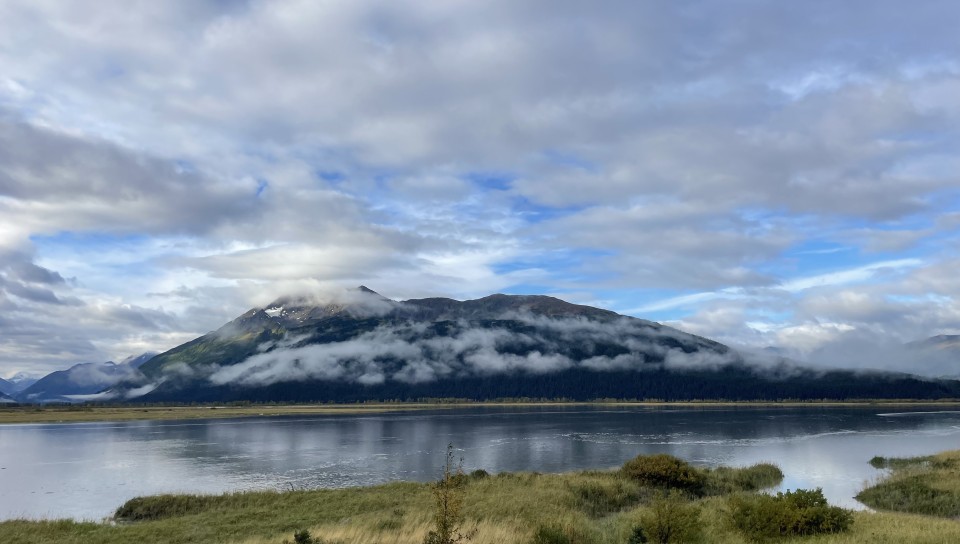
<point>360,346</point>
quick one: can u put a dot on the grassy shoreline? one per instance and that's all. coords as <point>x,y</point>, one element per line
<point>928,485</point>
<point>588,507</point>
<point>86,413</point>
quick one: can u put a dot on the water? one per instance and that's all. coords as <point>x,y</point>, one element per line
<point>86,470</point>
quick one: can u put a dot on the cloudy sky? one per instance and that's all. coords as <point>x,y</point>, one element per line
<point>764,173</point>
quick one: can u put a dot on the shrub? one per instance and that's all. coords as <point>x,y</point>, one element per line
<point>448,493</point>
<point>878,462</point>
<point>664,471</point>
<point>670,520</point>
<point>479,474</point>
<point>550,534</point>
<point>303,537</point>
<point>556,534</point>
<point>598,498</point>
<point>900,463</point>
<point>797,513</point>
<point>725,480</point>
<point>638,536</point>
<point>162,506</point>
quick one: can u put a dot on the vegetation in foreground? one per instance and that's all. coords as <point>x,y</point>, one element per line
<point>927,485</point>
<point>638,504</point>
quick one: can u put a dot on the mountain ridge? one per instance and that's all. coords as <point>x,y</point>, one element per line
<point>363,309</point>
<point>7,388</point>
<point>83,381</point>
<point>359,345</point>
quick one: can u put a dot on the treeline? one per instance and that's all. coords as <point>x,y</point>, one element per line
<point>732,383</point>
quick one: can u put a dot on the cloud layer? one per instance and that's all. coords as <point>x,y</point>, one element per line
<point>747,171</point>
<point>416,352</point>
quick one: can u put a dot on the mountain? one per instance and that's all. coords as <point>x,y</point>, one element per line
<point>5,399</point>
<point>136,361</point>
<point>943,343</point>
<point>83,381</point>
<point>7,388</point>
<point>358,345</point>
<point>940,352</point>
<point>17,383</point>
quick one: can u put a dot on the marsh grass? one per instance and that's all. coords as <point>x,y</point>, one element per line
<point>600,496</point>
<point>918,485</point>
<point>724,480</point>
<point>591,507</point>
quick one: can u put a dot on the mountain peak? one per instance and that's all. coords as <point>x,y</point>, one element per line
<point>946,342</point>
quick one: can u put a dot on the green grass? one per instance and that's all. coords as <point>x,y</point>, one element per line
<point>88,412</point>
<point>794,513</point>
<point>919,485</point>
<point>593,507</point>
<point>725,480</point>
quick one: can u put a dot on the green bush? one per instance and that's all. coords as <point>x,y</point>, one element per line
<point>671,520</point>
<point>550,534</point>
<point>479,474</point>
<point>448,494</point>
<point>878,462</point>
<point>725,480</point>
<point>638,536</point>
<point>303,537</point>
<point>664,471</point>
<point>556,534</point>
<point>162,506</point>
<point>899,463</point>
<point>599,498</point>
<point>797,513</point>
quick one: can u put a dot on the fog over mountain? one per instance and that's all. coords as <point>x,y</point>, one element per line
<point>362,337</point>
<point>83,382</point>
<point>759,173</point>
<point>356,344</point>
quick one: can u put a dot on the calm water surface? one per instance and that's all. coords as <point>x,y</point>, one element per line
<point>86,470</point>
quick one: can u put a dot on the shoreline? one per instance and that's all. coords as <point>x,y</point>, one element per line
<point>32,414</point>
<point>597,506</point>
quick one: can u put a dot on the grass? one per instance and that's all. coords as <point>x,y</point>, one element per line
<point>591,507</point>
<point>81,413</point>
<point>503,509</point>
<point>75,414</point>
<point>919,485</point>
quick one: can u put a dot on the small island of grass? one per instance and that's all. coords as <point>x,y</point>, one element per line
<point>928,485</point>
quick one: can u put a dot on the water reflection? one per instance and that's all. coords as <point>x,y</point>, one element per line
<point>87,470</point>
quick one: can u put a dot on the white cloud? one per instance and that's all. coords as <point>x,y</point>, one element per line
<point>251,147</point>
<point>858,274</point>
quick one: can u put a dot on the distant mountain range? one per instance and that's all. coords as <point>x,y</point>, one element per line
<point>82,382</point>
<point>943,350</point>
<point>357,345</point>
<point>12,386</point>
<point>943,342</point>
